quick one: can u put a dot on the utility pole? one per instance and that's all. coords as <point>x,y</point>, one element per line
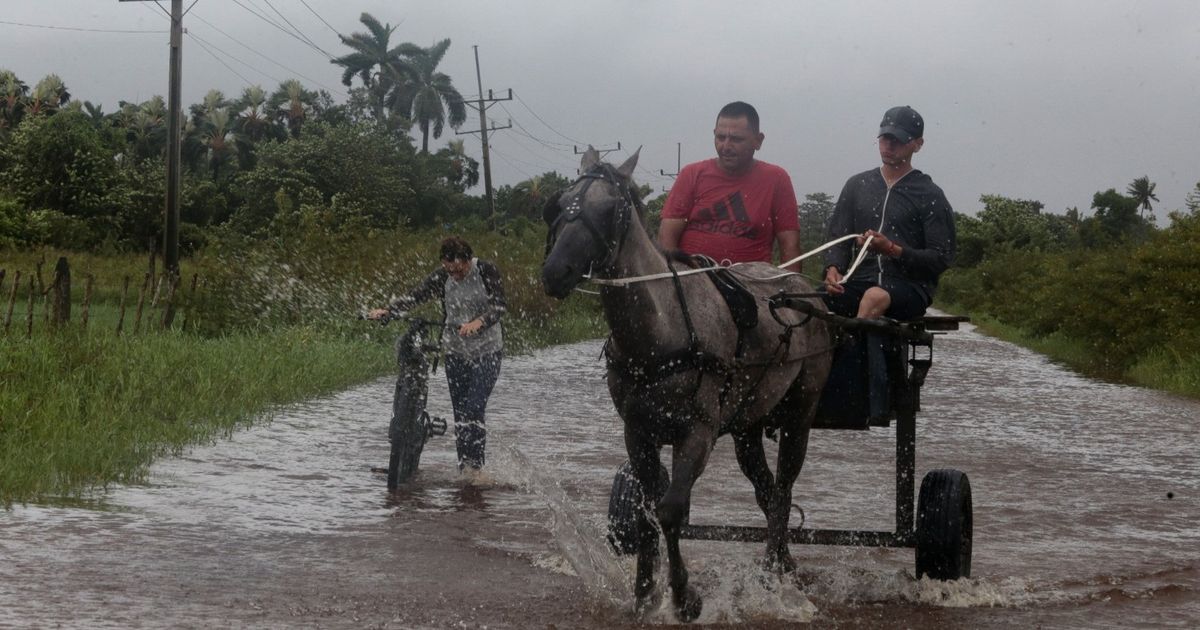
<point>482,104</point>
<point>174,107</point>
<point>601,151</point>
<point>678,155</point>
<point>678,160</point>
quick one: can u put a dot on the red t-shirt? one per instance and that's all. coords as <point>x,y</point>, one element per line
<point>732,218</point>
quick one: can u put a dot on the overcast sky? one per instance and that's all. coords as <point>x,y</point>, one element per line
<point>1043,100</point>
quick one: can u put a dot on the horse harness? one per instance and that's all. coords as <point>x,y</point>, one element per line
<point>692,358</point>
<point>686,359</point>
<point>573,211</point>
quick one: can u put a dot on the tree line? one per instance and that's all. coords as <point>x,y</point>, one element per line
<point>254,164</point>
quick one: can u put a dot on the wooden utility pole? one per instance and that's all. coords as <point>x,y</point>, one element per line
<point>678,156</point>
<point>482,104</point>
<point>678,160</point>
<point>602,151</point>
<point>174,132</point>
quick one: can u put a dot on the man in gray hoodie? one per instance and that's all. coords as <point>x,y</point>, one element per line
<point>904,221</point>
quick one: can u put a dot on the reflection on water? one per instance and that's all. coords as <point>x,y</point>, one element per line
<point>1074,527</point>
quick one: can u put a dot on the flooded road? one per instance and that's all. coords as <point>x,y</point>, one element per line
<point>1087,514</point>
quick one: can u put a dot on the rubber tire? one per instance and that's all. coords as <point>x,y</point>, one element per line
<point>624,502</point>
<point>944,525</point>
<point>407,446</point>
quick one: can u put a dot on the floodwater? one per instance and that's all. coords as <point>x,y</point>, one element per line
<point>1086,511</point>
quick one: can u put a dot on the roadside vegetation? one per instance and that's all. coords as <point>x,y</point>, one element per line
<point>83,407</point>
<point>1110,296</point>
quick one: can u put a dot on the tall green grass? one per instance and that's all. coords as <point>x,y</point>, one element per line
<point>269,323</point>
<point>1162,367</point>
<point>80,409</point>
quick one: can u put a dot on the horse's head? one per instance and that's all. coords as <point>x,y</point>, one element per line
<point>588,222</point>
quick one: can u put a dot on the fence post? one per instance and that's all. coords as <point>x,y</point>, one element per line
<point>137,320</point>
<point>60,304</point>
<point>29,312</point>
<point>191,303</point>
<point>168,315</point>
<point>124,294</point>
<point>12,300</point>
<point>87,299</point>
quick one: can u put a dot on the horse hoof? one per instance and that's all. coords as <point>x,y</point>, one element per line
<point>782,564</point>
<point>646,604</point>
<point>689,608</point>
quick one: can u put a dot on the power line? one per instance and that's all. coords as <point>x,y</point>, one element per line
<point>297,29</point>
<point>559,158</point>
<point>281,29</point>
<point>243,45</point>
<point>203,45</point>
<point>530,135</point>
<point>535,115</point>
<point>76,28</point>
<point>335,31</point>
<point>520,170</point>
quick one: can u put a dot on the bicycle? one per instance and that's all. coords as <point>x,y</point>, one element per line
<point>411,425</point>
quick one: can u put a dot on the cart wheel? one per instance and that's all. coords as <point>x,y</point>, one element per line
<point>944,525</point>
<point>408,441</point>
<point>624,502</point>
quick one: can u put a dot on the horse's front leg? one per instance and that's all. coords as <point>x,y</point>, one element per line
<point>793,445</point>
<point>644,460</point>
<point>688,462</point>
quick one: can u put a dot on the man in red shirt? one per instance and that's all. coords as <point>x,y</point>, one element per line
<point>733,208</point>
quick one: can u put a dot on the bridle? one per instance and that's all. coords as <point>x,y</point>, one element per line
<point>573,211</point>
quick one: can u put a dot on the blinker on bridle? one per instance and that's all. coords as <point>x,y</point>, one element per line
<point>573,211</point>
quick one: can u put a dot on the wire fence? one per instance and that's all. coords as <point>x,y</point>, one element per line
<point>159,302</point>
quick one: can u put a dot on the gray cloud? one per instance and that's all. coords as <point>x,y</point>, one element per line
<point>1047,101</point>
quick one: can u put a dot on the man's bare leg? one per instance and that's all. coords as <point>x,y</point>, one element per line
<point>874,303</point>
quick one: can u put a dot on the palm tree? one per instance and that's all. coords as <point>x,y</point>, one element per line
<point>462,166</point>
<point>425,95</point>
<point>95,113</point>
<point>216,133</point>
<point>48,95</point>
<point>13,95</point>
<point>1142,191</point>
<point>291,105</point>
<point>252,122</point>
<point>372,61</point>
<point>213,100</point>
<point>530,195</point>
<point>145,127</point>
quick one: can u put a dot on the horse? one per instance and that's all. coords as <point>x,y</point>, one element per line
<point>682,370</point>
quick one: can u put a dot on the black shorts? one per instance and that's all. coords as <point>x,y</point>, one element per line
<point>908,301</point>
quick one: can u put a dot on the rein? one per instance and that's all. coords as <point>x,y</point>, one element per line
<point>624,282</point>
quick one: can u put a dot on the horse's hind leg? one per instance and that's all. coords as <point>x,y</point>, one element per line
<point>793,444</point>
<point>752,459</point>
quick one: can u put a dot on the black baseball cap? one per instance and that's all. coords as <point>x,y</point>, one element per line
<point>903,122</point>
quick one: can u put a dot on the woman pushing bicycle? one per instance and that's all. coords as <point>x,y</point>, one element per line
<point>472,338</point>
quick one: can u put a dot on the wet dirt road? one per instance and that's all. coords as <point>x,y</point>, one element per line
<point>284,525</point>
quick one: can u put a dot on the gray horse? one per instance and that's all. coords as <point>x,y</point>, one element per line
<point>682,370</point>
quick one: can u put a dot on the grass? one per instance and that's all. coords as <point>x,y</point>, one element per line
<point>81,408</point>
<point>1158,368</point>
